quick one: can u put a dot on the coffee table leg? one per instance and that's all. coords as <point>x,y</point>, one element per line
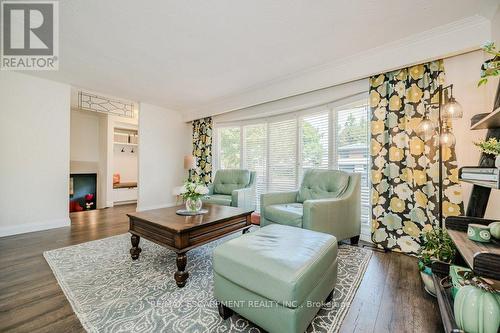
<point>181,275</point>
<point>135,250</point>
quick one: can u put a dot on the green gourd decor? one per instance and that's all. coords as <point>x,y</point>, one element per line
<point>495,229</point>
<point>477,310</point>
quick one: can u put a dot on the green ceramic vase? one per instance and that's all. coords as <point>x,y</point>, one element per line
<point>477,310</point>
<point>495,229</point>
<point>479,233</point>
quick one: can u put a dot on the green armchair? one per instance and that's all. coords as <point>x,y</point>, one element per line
<point>328,201</point>
<point>232,187</point>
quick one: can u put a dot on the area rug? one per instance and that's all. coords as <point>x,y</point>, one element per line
<point>111,293</point>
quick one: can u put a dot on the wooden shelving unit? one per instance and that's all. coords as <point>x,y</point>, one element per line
<point>490,120</point>
<point>481,183</point>
<point>445,303</point>
<point>482,258</point>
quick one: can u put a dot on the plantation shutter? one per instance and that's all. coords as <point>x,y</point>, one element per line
<point>229,147</point>
<point>313,141</point>
<point>282,155</point>
<point>352,152</point>
<point>255,156</point>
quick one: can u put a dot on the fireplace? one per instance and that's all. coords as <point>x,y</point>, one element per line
<point>82,192</point>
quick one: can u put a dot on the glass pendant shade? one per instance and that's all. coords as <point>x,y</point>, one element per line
<point>426,129</point>
<point>447,138</point>
<point>452,109</point>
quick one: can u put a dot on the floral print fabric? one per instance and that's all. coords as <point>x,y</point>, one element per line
<point>404,172</point>
<point>202,149</point>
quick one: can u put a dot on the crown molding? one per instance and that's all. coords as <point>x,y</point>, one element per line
<point>444,41</point>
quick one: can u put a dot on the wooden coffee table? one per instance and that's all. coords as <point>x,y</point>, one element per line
<point>183,233</point>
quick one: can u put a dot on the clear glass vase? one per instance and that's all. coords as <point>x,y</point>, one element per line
<point>193,205</point>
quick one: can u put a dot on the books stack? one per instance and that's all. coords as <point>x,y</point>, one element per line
<point>488,177</point>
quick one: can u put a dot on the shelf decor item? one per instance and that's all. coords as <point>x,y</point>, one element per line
<point>479,233</point>
<point>495,229</point>
<point>477,308</point>
<point>490,147</point>
<point>458,276</point>
<point>436,246</point>
<point>491,67</point>
<point>192,192</point>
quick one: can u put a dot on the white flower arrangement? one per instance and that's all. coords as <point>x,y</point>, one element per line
<point>193,190</point>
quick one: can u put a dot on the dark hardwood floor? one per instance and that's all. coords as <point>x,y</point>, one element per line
<point>390,299</point>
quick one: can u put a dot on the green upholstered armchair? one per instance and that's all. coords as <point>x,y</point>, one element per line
<point>232,187</point>
<point>328,201</point>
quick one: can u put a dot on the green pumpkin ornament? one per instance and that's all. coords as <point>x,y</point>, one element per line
<point>495,229</point>
<point>477,310</point>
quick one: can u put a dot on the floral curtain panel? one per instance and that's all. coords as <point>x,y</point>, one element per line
<point>404,168</point>
<point>202,149</point>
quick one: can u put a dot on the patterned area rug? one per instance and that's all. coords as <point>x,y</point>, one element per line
<point>111,293</point>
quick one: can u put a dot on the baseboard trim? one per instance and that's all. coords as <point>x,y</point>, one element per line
<point>31,227</point>
<point>143,208</point>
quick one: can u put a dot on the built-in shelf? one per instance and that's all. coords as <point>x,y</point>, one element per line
<point>125,144</point>
<point>125,185</point>
<point>489,121</point>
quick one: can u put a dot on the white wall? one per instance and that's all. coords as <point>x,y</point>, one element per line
<point>463,72</point>
<point>125,163</point>
<point>84,136</point>
<point>495,27</point>
<point>34,141</point>
<point>163,141</point>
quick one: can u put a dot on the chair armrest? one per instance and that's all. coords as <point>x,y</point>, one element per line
<point>340,217</point>
<point>319,214</point>
<point>243,198</point>
<point>275,198</point>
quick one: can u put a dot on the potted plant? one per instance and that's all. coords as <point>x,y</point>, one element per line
<point>192,192</point>
<point>491,67</point>
<point>490,147</point>
<point>436,246</point>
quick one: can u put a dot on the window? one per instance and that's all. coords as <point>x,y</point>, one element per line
<point>255,155</point>
<point>351,145</point>
<point>283,155</point>
<point>314,131</point>
<point>229,148</point>
<point>280,149</point>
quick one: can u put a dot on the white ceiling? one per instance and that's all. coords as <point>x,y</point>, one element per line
<point>186,55</point>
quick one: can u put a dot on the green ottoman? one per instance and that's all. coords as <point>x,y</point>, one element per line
<point>277,277</point>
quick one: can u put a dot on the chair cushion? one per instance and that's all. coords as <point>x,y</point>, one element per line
<point>288,214</point>
<point>226,181</point>
<point>322,184</point>
<point>278,262</point>
<point>218,199</point>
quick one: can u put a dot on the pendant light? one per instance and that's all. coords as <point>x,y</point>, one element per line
<point>452,109</point>
<point>447,138</point>
<point>426,129</point>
